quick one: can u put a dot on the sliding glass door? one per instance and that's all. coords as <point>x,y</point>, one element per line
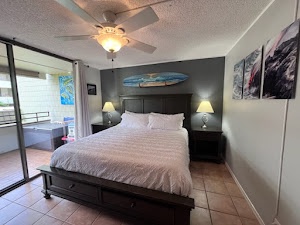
<point>34,112</point>
<point>11,166</point>
<point>43,110</point>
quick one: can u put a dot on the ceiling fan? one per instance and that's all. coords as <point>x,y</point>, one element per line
<point>112,37</point>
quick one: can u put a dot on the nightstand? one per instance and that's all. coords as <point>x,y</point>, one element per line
<point>206,144</point>
<point>96,127</point>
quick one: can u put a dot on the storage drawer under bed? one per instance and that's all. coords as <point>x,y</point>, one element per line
<point>153,207</point>
<point>75,189</point>
<point>138,207</point>
<point>135,206</point>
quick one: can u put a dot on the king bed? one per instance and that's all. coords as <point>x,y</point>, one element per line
<point>137,171</point>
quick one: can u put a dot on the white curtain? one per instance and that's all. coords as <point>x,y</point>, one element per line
<point>82,116</point>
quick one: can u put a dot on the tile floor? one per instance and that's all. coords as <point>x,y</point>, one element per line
<point>11,167</point>
<point>217,198</point>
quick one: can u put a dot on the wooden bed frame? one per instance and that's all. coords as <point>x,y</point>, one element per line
<point>151,206</point>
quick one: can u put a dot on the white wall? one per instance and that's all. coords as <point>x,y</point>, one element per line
<point>255,128</point>
<point>95,101</point>
<point>289,201</point>
<point>39,95</point>
<point>42,95</point>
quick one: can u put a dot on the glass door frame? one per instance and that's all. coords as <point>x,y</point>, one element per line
<point>13,78</point>
<point>18,120</point>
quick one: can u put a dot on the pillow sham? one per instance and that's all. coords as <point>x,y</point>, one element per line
<point>134,120</point>
<point>162,115</point>
<point>166,121</point>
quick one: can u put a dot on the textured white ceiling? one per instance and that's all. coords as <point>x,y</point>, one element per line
<point>187,29</point>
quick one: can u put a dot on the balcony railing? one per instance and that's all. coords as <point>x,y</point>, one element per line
<point>8,118</point>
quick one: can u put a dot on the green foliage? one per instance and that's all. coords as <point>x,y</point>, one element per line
<point>3,104</point>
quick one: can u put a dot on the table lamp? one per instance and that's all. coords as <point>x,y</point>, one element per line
<point>205,107</point>
<point>108,107</point>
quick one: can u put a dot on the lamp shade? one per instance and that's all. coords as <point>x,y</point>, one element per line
<point>108,107</point>
<point>112,42</point>
<point>206,107</point>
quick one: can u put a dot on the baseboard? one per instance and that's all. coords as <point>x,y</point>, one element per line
<point>261,222</point>
<point>276,222</point>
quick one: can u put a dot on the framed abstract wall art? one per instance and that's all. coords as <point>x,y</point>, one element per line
<point>238,76</point>
<point>66,88</point>
<point>92,89</point>
<point>252,75</point>
<point>281,59</point>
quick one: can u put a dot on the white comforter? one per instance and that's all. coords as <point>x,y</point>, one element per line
<point>154,159</point>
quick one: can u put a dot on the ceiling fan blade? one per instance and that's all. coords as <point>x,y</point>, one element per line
<point>142,19</point>
<point>73,7</point>
<point>143,6</point>
<point>140,46</point>
<point>111,55</point>
<point>75,38</point>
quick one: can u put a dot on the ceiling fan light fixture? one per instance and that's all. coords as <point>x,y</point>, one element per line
<point>112,42</point>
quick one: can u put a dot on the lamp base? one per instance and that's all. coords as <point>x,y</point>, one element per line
<point>109,117</point>
<point>204,126</point>
<point>205,120</point>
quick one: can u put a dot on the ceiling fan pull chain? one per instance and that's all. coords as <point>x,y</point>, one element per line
<point>112,65</point>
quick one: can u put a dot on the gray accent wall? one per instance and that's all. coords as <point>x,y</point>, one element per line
<point>205,81</point>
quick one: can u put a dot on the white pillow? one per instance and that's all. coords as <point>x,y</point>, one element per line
<point>134,120</point>
<point>166,121</point>
<point>140,116</point>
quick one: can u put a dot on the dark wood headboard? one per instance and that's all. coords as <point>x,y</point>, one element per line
<point>166,104</point>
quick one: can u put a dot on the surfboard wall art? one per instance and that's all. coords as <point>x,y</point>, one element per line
<point>154,79</point>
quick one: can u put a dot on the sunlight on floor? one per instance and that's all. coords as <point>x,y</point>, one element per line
<point>11,167</point>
